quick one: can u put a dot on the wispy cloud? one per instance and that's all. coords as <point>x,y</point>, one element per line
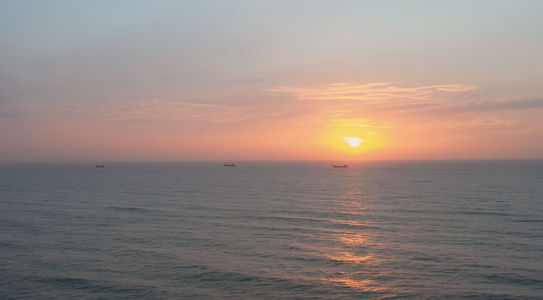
<point>445,98</point>
<point>492,106</point>
<point>359,123</point>
<point>477,123</point>
<point>133,110</point>
<point>375,93</point>
<point>485,124</point>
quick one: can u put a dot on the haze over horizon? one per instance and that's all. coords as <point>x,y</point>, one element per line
<point>270,80</point>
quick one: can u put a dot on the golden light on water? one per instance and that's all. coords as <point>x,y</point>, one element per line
<point>354,243</point>
<point>350,257</point>
<point>366,285</point>
<point>350,250</point>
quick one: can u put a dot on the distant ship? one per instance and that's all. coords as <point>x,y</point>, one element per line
<point>100,166</point>
<point>344,166</point>
<point>229,165</point>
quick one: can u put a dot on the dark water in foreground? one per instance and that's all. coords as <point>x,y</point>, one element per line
<point>267,230</point>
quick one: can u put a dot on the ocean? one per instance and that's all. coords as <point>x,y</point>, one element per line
<point>272,230</point>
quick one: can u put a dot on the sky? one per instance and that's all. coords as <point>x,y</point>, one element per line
<point>238,80</point>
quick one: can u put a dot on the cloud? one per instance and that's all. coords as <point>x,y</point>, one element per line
<point>445,98</point>
<point>452,88</point>
<point>150,110</point>
<point>492,106</point>
<point>477,123</point>
<point>486,124</point>
<point>382,93</point>
<point>382,96</point>
<point>359,122</point>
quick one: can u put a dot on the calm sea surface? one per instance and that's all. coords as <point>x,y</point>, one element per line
<point>272,230</point>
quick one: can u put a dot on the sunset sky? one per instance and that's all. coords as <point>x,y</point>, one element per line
<point>270,80</point>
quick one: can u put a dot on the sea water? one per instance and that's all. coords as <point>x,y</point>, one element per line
<point>272,230</point>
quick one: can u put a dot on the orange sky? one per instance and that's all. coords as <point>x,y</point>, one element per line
<point>230,81</point>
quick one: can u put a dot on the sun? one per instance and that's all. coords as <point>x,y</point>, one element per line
<point>354,141</point>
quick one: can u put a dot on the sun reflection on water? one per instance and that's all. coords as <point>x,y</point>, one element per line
<point>358,261</point>
<point>353,240</point>
<point>355,246</point>
<point>350,257</point>
<point>366,285</point>
<point>352,223</point>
